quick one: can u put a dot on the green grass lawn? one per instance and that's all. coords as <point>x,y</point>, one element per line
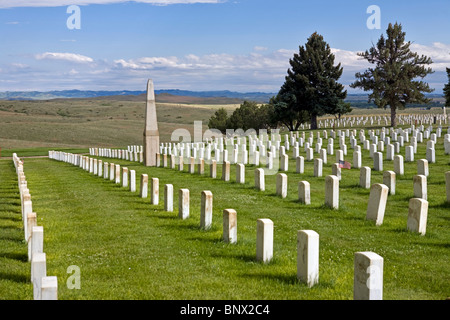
<point>127,248</point>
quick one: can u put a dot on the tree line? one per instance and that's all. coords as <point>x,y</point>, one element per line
<point>312,89</point>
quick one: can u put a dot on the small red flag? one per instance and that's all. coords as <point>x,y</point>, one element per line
<point>344,164</point>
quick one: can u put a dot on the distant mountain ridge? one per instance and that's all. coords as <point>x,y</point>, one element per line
<point>176,96</point>
<point>65,94</point>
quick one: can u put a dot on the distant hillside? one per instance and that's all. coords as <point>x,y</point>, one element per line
<point>172,95</point>
<point>182,96</point>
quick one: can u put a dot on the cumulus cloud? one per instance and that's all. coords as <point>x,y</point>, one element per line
<point>254,71</point>
<point>72,57</point>
<point>59,3</point>
<point>438,52</point>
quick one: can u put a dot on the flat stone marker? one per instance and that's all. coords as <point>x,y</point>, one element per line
<point>49,288</point>
<point>229,226</point>
<point>318,167</point>
<point>154,191</point>
<point>300,164</point>
<point>420,186</point>
<point>304,192</point>
<point>368,276</point>
<point>377,203</point>
<point>240,173</point>
<point>144,186</point>
<point>168,197</point>
<point>398,165</point>
<point>260,179</point>
<point>133,180</point>
<point>364,177</point>
<point>417,215</point>
<point>206,209</point>
<point>281,189</point>
<point>264,240</point>
<point>332,192</point>
<point>389,181</point>
<point>308,257</point>
<point>422,167</point>
<point>183,203</point>
<point>226,171</point>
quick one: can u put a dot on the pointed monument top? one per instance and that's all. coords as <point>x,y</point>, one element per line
<point>150,90</point>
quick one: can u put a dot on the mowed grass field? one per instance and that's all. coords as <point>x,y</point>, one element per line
<point>127,248</point>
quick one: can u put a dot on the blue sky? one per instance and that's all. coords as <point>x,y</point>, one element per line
<point>242,45</point>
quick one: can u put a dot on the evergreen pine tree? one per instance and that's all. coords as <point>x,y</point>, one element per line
<point>447,89</point>
<point>392,80</point>
<point>311,84</point>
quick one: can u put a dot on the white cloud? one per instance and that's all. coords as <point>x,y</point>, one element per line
<point>72,57</point>
<point>254,71</point>
<point>60,3</point>
<point>259,48</point>
<point>438,52</point>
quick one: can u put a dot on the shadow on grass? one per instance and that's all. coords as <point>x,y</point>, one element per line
<point>20,278</point>
<point>15,256</point>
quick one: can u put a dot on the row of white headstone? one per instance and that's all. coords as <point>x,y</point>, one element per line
<point>402,119</point>
<point>377,198</point>
<point>44,287</point>
<point>307,240</point>
<point>267,150</point>
<point>132,153</point>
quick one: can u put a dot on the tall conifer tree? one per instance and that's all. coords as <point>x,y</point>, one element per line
<point>311,84</point>
<point>392,80</point>
<point>447,89</point>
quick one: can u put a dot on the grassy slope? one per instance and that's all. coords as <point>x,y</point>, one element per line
<point>127,248</point>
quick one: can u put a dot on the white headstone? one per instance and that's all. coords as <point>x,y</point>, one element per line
<point>308,257</point>
<point>417,215</point>
<point>264,240</point>
<point>206,209</point>
<point>368,276</point>
<point>229,226</point>
<point>377,203</point>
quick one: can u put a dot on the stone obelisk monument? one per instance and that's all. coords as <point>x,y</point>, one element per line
<point>151,133</point>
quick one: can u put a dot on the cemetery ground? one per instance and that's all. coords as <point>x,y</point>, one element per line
<point>127,248</point>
